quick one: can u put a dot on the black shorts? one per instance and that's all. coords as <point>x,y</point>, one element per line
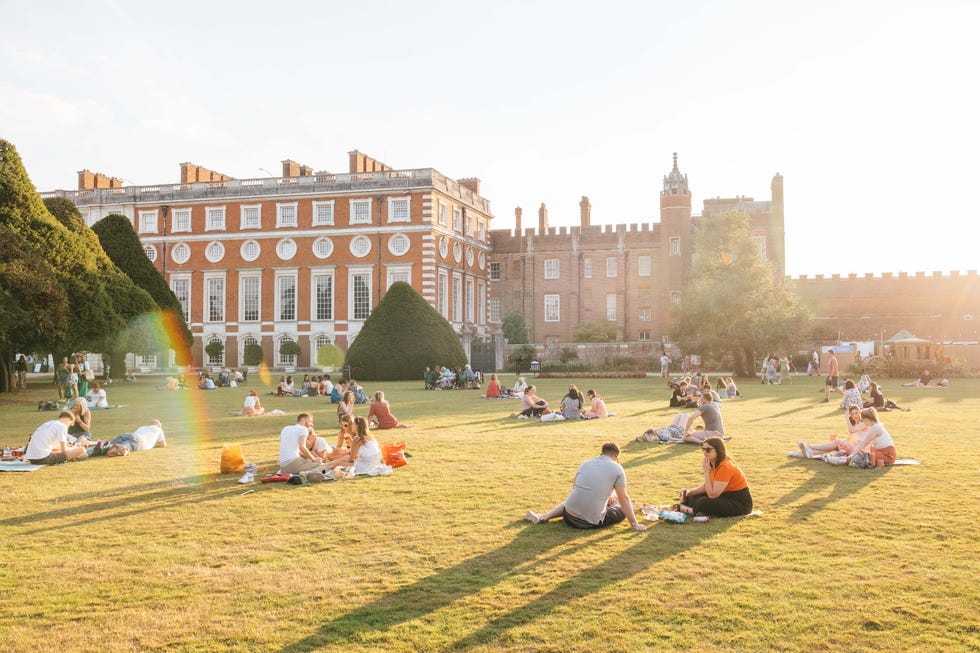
<point>832,381</point>
<point>53,458</point>
<point>614,515</point>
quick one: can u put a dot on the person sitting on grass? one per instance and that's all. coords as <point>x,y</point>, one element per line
<point>493,388</point>
<point>924,380</point>
<point>598,498</point>
<point>346,434</point>
<point>365,450</point>
<point>520,387</point>
<point>878,401</point>
<point>724,492</point>
<point>714,426</point>
<point>473,379</point>
<point>206,383</point>
<point>532,405</point>
<point>598,409</point>
<point>252,405</point>
<point>571,404</point>
<point>82,428</point>
<point>346,406</point>
<point>852,396</point>
<point>856,429</point>
<point>882,446</point>
<point>145,437</point>
<point>337,393</point>
<point>49,442</point>
<point>380,414</point>
<point>732,388</point>
<point>360,395</point>
<point>721,388</point>
<point>96,397</point>
<point>294,456</point>
<point>333,457</point>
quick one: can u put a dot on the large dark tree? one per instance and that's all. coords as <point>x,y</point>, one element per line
<point>515,329</point>
<point>402,337</point>
<point>734,304</point>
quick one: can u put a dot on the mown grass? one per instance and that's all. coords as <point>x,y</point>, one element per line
<point>160,552</point>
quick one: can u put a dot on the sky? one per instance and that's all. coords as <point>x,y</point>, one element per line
<point>870,110</point>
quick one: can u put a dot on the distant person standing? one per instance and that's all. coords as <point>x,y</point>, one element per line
<point>833,377</point>
<point>664,364</point>
<point>20,367</point>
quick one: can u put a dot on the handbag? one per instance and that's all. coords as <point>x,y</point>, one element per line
<point>89,374</point>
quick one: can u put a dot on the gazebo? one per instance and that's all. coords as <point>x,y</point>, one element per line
<point>907,347</point>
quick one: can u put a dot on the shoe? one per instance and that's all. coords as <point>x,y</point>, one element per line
<point>805,448</point>
<point>249,475</point>
<point>825,401</point>
<point>532,517</point>
<point>522,417</point>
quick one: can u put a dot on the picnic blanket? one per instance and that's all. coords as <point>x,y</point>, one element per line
<point>898,461</point>
<point>18,466</point>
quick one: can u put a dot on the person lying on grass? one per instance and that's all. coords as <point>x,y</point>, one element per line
<point>724,492</point>
<point>598,498</point>
<point>145,437</point>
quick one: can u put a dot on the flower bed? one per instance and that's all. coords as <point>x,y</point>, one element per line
<point>592,375</point>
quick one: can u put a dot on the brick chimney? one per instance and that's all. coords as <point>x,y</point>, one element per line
<point>191,173</point>
<point>90,180</point>
<point>470,182</point>
<point>585,209</point>
<point>543,219</point>
<point>292,169</point>
<point>360,162</point>
<point>518,212</point>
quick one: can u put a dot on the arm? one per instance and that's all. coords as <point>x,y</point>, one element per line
<point>304,452</point>
<point>81,420</point>
<point>713,489</point>
<point>690,422</point>
<point>627,505</point>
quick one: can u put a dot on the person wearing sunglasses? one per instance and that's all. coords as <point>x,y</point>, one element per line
<point>725,492</point>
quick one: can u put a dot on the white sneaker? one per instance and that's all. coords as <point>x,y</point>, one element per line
<point>522,417</point>
<point>805,448</point>
<point>532,517</point>
<point>249,475</point>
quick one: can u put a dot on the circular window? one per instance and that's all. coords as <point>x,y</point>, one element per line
<point>399,244</point>
<point>151,252</point>
<point>286,249</point>
<point>251,250</point>
<point>215,251</point>
<point>483,260</point>
<point>458,252</point>
<point>322,247</point>
<point>180,253</point>
<point>469,256</point>
<point>443,247</point>
<point>360,246</point>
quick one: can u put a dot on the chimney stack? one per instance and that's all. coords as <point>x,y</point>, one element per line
<point>470,182</point>
<point>543,219</point>
<point>585,208</point>
<point>518,212</point>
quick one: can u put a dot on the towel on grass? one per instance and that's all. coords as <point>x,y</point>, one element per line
<point>18,466</point>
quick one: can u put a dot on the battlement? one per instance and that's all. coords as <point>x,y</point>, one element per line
<point>879,276</point>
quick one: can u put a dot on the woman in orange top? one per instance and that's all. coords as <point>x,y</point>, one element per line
<point>724,492</point>
<point>493,388</point>
<point>380,413</point>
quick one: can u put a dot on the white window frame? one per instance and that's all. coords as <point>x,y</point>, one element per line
<point>442,294</point>
<point>458,219</point>
<point>494,273</point>
<point>552,308</point>
<point>493,315</point>
<point>643,266</point>
<point>611,308</point>
<point>395,273</point>
<point>151,252</point>
<point>469,288</point>
<point>214,251</point>
<point>552,268</point>
<point>470,224</point>
<point>399,238</point>
<point>675,246</point>
<point>243,297</point>
<point>645,315</point>
<point>175,253</point>
<point>284,360</point>
<point>443,214</point>
<point>360,239</point>
<point>244,222</point>
<point>329,313</point>
<point>675,297</point>
<point>354,205</point>
<point>760,243</point>
<point>328,241</point>
<point>180,285</point>
<point>214,218</point>
<point>283,221</point>
<point>323,220</point>
<point>353,273</point>
<point>149,223</point>
<point>180,220</point>
<point>393,208</point>
<point>456,300</point>
<point>612,267</point>
<point>210,315</point>
<point>283,279</point>
<point>215,360</point>
<point>244,249</point>
<point>587,268</point>
<point>481,301</point>
<point>480,230</point>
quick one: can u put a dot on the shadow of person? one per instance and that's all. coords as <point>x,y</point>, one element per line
<point>840,480</point>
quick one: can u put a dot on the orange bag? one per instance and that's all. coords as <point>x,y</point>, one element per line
<point>232,459</point>
<point>394,454</point>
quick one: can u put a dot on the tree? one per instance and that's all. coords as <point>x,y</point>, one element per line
<point>734,304</point>
<point>521,358</point>
<point>253,355</point>
<point>594,332</point>
<point>329,357</point>
<point>515,329</point>
<point>403,336</point>
<point>214,349</point>
<point>291,349</point>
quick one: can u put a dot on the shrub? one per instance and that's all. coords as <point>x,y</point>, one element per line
<point>625,364</point>
<point>290,348</point>
<point>329,357</point>
<point>565,366</point>
<point>253,354</point>
<point>521,357</point>
<point>593,332</point>
<point>403,335</point>
<point>214,349</point>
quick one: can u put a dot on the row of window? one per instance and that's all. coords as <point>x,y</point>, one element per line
<point>552,308</point>
<point>552,266</point>
<point>452,306</point>
<point>282,359</point>
<point>462,222</point>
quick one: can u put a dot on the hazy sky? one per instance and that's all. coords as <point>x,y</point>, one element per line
<point>869,110</point>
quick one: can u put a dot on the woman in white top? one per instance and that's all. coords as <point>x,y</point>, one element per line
<point>520,387</point>
<point>882,446</point>
<point>856,430</point>
<point>96,397</point>
<point>251,405</point>
<point>365,451</point>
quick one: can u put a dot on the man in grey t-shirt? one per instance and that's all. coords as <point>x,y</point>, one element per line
<point>710,412</point>
<point>598,498</point>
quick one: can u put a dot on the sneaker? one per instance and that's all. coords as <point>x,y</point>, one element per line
<point>532,517</point>
<point>249,475</point>
<point>522,417</point>
<point>805,448</point>
<point>825,401</point>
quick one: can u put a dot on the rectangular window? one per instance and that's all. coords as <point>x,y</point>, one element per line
<point>182,289</point>
<point>360,211</point>
<point>760,242</point>
<point>552,308</point>
<point>398,209</point>
<point>645,315</point>
<point>457,219</point>
<point>181,220</point>
<point>399,273</point>
<point>481,301</point>
<point>480,231</point>
<point>251,298</point>
<point>612,266</point>
<point>361,288</point>
<point>611,307</point>
<point>551,268</point>
<point>287,298</point>
<point>286,215</point>
<point>323,297</point>
<point>643,263</point>
<point>457,299</point>
<point>442,295</point>
<point>322,213</point>
<point>675,246</point>
<point>494,310</point>
<point>675,298</point>
<point>587,268</point>
<point>148,222</point>
<point>494,271</point>
<point>470,226</point>
<point>215,218</point>
<point>644,336</point>
<point>470,301</point>
<point>443,214</point>
<point>215,300</point>
<point>251,217</point>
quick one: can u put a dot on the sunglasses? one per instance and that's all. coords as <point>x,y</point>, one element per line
<point>707,449</point>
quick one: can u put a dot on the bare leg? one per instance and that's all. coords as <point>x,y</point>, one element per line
<point>535,518</point>
<point>697,437</point>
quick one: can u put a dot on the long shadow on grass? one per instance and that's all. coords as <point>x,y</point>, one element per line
<point>641,453</point>
<point>521,556</point>
<point>843,480</point>
<point>766,418</point>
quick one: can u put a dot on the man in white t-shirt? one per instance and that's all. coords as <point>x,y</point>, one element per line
<point>96,397</point>
<point>49,443</point>
<point>145,437</point>
<point>591,503</point>
<point>327,385</point>
<point>294,455</point>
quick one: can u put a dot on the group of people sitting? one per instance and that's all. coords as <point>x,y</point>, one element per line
<point>853,395</point>
<point>225,379</point>
<point>865,435</point>
<point>69,438</point>
<point>444,378</point>
<point>572,406</point>
<point>302,450</point>
<point>685,393</point>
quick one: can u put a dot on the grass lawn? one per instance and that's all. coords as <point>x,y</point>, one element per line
<point>158,551</point>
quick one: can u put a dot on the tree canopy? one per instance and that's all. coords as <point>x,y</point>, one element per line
<point>594,332</point>
<point>515,329</point>
<point>734,304</point>
<point>403,336</point>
